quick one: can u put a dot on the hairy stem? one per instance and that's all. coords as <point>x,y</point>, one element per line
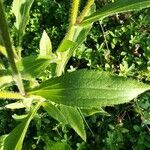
<point>85,11</point>
<point>71,30</point>
<point>7,42</point>
<point>10,95</point>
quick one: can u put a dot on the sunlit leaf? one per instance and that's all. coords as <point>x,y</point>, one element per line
<point>21,10</point>
<point>45,45</point>
<point>118,6</point>
<point>14,140</point>
<point>16,105</point>
<point>90,89</point>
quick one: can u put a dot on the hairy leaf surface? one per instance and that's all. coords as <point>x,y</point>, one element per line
<point>118,6</point>
<point>90,89</point>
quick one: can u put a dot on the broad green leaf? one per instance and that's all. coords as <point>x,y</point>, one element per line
<point>32,66</point>
<point>74,119</point>
<point>118,6</point>
<point>21,10</point>
<point>14,140</point>
<point>92,111</point>
<point>5,77</point>
<point>45,45</point>
<point>67,115</point>
<point>90,89</point>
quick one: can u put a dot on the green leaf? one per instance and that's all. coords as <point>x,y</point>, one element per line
<point>32,66</point>
<point>74,119</point>
<point>21,10</point>
<point>90,89</point>
<point>14,140</point>
<point>5,77</point>
<point>45,45</point>
<point>16,105</point>
<point>118,6</point>
<point>54,112</point>
<point>67,115</point>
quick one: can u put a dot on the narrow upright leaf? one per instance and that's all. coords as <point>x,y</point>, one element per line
<point>90,89</point>
<point>21,10</point>
<point>118,6</point>
<point>14,140</point>
<point>45,45</point>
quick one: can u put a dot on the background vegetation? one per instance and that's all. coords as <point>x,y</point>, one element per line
<point>120,44</point>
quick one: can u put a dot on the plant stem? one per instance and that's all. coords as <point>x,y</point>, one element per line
<point>10,95</point>
<point>5,35</point>
<point>71,30</point>
<point>85,11</point>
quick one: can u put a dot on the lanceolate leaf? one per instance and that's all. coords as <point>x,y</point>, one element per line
<point>14,140</point>
<point>21,10</point>
<point>118,6</point>
<point>67,115</point>
<point>74,119</point>
<point>32,66</point>
<point>45,45</point>
<point>90,89</point>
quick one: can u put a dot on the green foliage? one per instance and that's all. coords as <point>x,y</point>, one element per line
<point>14,140</point>
<point>33,66</point>
<point>21,11</point>
<point>86,89</point>
<point>45,45</point>
<point>116,7</point>
<point>89,89</point>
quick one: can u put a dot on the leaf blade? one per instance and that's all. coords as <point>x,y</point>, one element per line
<point>119,6</point>
<point>90,89</point>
